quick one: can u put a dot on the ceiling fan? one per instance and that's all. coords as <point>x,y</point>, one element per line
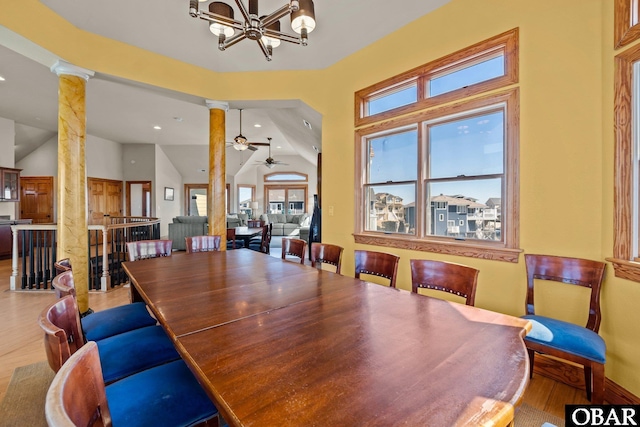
<point>269,162</point>
<point>240,143</point>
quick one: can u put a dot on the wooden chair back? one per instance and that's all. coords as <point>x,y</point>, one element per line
<point>444,276</point>
<point>63,335</point>
<point>231,238</point>
<point>143,249</point>
<point>202,243</point>
<point>77,395</point>
<point>326,253</point>
<point>294,247</point>
<point>380,264</point>
<point>265,243</point>
<point>64,285</point>
<point>572,271</point>
<point>62,265</point>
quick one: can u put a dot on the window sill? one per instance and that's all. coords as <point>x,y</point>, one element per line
<point>626,269</point>
<point>495,252</point>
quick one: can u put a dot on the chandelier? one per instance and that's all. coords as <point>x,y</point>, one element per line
<point>265,30</point>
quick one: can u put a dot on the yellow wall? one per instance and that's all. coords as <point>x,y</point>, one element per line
<point>566,133</point>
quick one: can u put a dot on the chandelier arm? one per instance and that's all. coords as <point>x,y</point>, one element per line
<point>283,36</point>
<point>264,49</point>
<point>234,39</point>
<point>219,19</point>
<point>243,11</point>
<point>277,15</point>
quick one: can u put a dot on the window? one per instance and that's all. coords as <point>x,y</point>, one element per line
<point>285,176</point>
<point>431,180</point>
<point>626,22</point>
<point>626,247</point>
<point>286,199</point>
<point>246,195</point>
<point>488,65</point>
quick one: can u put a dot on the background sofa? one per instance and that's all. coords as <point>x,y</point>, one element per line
<point>286,225</point>
<point>186,226</point>
<point>237,220</point>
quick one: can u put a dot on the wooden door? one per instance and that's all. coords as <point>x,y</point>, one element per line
<point>36,199</point>
<point>104,201</point>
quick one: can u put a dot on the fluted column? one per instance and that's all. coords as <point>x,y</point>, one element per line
<point>216,211</point>
<point>72,203</point>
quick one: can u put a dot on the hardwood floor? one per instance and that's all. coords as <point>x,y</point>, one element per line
<point>22,341</point>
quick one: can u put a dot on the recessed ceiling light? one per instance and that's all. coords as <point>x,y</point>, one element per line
<point>277,146</point>
<point>156,127</point>
<point>2,79</point>
<point>306,123</point>
<point>257,125</point>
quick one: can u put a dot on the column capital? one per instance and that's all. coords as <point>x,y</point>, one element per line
<point>63,67</point>
<point>218,105</point>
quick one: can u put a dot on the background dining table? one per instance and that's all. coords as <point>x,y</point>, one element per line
<point>279,343</point>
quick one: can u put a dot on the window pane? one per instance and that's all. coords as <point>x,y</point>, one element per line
<point>285,177</point>
<point>468,76</point>
<point>198,202</point>
<point>391,100</point>
<point>471,146</point>
<point>295,199</point>
<point>466,209</point>
<point>276,201</point>
<point>391,208</point>
<point>393,157</point>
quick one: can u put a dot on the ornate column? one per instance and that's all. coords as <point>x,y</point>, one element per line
<point>216,211</point>
<point>72,201</point>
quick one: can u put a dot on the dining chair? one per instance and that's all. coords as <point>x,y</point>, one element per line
<point>294,247</point>
<point>202,243</point>
<point>264,242</point>
<point>121,355</point>
<point>562,339</point>
<point>444,276</point>
<point>380,264</point>
<point>168,395</point>
<point>143,249</point>
<point>105,323</point>
<point>232,242</point>
<point>62,265</point>
<point>326,253</point>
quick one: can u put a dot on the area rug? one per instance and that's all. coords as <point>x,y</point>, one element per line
<point>23,404</point>
<point>528,416</point>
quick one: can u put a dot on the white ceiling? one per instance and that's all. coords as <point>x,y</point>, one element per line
<point>126,112</point>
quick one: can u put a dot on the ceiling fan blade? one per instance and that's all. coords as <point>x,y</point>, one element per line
<point>259,143</point>
<point>252,148</point>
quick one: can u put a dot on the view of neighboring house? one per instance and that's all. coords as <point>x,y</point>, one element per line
<point>454,216</point>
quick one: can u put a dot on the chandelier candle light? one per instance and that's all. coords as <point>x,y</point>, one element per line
<point>265,30</point>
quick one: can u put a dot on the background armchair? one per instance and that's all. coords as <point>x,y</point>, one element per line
<point>186,226</point>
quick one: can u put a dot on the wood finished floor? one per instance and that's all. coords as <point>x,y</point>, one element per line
<point>22,341</point>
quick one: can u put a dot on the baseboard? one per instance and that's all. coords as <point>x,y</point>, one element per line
<point>573,375</point>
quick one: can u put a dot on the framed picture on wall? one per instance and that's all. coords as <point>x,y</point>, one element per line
<point>168,193</point>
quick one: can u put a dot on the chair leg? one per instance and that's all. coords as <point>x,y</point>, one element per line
<point>597,381</point>
<point>588,381</point>
<point>532,355</point>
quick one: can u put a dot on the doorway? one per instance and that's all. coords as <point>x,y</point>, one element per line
<point>139,198</point>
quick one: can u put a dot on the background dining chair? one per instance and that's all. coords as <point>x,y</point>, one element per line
<point>121,355</point>
<point>62,265</point>
<point>143,249</point>
<point>563,339</point>
<point>262,244</point>
<point>326,253</point>
<point>232,242</point>
<point>105,323</point>
<point>78,396</point>
<point>380,264</point>
<point>202,243</point>
<point>444,276</point>
<point>294,247</point>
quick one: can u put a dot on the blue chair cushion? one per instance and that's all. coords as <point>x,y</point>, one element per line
<point>568,337</point>
<point>123,318</point>
<point>167,395</point>
<point>134,351</point>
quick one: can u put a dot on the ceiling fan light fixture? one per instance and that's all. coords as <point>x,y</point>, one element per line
<point>222,9</point>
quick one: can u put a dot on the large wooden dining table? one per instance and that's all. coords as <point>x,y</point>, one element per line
<point>277,343</point>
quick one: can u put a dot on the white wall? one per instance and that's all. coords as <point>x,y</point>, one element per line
<point>7,159</point>
<point>104,158</point>
<point>167,176</point>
